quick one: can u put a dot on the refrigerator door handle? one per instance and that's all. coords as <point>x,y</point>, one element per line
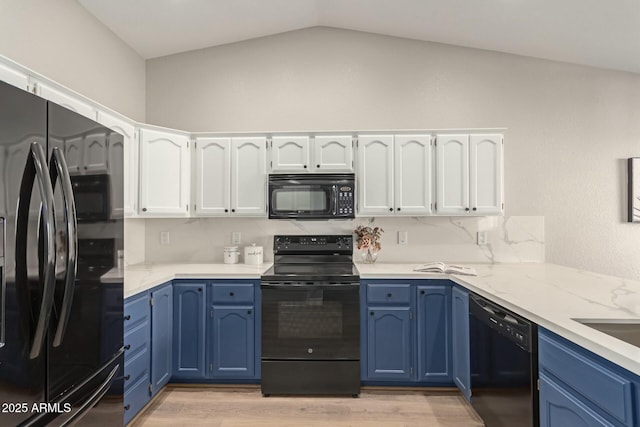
<point>58,168</point>
<point>93,399</point>
<point>36,168</point>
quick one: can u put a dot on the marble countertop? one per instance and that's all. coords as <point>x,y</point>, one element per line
<point>547,294</point>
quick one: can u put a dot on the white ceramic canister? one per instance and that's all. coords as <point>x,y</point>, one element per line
<point>253,254</point>
<point>231,254</point>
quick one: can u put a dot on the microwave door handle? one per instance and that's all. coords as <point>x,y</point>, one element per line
<point>58,168</point>
<point>36,169</point>
<point>334,198</point>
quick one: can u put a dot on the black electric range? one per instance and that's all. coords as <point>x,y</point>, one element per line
<point>311,317</point>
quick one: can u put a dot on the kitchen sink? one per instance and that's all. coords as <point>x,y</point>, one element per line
<point>627,330</point>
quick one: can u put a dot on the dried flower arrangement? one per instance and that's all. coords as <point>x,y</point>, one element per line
<point>368,237</point>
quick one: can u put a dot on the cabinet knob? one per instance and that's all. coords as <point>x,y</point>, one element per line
<point>372,313</point>
<point>398,209</point>
<point>466,209</point>
<point>127,347</point>
<point>231,294</point>
<point>475,209</point>
<point>317,166</point>
<point>305,166</point>
<point>390,209</point>
<point>226,210</point>
<point>248,311</point>
<point>421,292</point>
<point>126,377</point>
<point>389,295</point>
<point>233,210</point>
<point>85,168</point>
<point>127,407</point>
<point>144,209</point>
<point>127,317</point>
<point>199,289</point>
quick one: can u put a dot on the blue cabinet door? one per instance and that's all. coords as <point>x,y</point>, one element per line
<point>434,333</point>
<point>161,334</point>
<point>232,342</point>
<point>189,330</point>
<point>389,343</point>
<point>137,358</point>
<point>460,330</point>
<point>559,408</point>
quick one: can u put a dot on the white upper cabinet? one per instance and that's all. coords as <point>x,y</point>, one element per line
<point>74,154</point>
<point>375,174</point>
<point>130,165</point>
<point>469,174</point>
<point>164,173</point>
<point>212,161</point>
<point>230,176</point>
<point>333,153</point>
<point>290,154</point>
<point>65,100</point>
<point>248,176</point>
<point>96,154</point>
<point>486,174</point>
<point>14,77</point>
<point>413,175</point>
<point>117,153</point>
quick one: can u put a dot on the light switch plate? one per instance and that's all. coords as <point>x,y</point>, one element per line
<point>403,238</point>
<point>164,238</point>
<point>483,238</point>
<point>236,237</point>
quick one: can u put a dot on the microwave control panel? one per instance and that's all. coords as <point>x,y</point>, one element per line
<point>345,200</point>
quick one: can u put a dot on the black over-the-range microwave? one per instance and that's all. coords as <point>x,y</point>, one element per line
<point>312,196</point>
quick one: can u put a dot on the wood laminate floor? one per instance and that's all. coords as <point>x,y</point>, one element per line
<point>245,407</point>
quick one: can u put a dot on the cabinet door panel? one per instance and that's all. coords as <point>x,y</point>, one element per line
<point>213,176</point>
<point>413,173</point>
<point>95,153</point>
<point>74,154</point>
<point>164,179</point>
<point>452,154</point>
<point>161,337</point>
<point>434,333</point>
<point>129,175</point>
<point>249,176</point>
<point>375,175</point>
<point>232,334</point>
<point>333,153</point>
<point>290,154</point>
<point>460,347</point>
<point>189,330</point>
<point>486,174</point>
<point>389,342</point>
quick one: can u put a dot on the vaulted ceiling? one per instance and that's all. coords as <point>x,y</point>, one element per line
<point>590,32</point>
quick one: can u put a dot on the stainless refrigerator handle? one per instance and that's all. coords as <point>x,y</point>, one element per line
<point>36,167</point>
<point>93,399</point>
<point>58,168</point>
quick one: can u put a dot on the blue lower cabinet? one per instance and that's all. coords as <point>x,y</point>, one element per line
<point>232,342</point>
<point>389,343</point>
<point>460,342</point>
<point>189,330</point>
<point>137,354</point>
<point>434,334</point>
<point>559,408</point>
<point>161,337</point>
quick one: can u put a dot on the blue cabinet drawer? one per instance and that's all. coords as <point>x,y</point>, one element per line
<point>136,311</point>
<point>135,398</point>
<point>587,377</point>
<point>136,341</point>
<point>393,294</point>
<point>232,293</point>
<point>136,368</point>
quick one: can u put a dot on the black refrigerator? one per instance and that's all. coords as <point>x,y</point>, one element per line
<point>61,297</point>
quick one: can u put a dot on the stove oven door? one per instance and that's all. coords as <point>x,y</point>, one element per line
<point>310,321</point>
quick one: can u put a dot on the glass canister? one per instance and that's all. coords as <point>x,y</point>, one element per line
<point>231,254</point>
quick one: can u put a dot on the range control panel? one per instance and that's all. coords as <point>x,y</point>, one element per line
<point>322,243</point>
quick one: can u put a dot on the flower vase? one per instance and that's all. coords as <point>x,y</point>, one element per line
<point>368,256</point>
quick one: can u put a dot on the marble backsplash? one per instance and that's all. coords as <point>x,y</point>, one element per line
<point>451,239</point>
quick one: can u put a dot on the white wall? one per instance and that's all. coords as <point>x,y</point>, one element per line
<point>570,127</point>
<point>62,41</point>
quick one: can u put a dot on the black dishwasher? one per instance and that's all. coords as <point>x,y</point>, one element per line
<point>504,365</point>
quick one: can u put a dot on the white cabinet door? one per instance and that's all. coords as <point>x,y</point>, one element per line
<point>130,176</point>
<point>333,154</point>
<point>74,154</point>
<point>248,176</point>
<point>164,173</point>
<point>95,153</point>
<point>486,177</point>
<point>452,155</point>
<point>212,176</point>
<point>290,154</point>
<point>116,171</point>
<point>413,172</point>
<point>375,175</point>
<point>14,77</point>
<point>67,101</point>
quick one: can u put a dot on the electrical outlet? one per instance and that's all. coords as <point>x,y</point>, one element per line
<point>236,237</point>
<point>482,238</point>
<point>164,238</point>
<point>403,238</point>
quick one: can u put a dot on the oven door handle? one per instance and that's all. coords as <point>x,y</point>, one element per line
<point>307,285</point>
<point>58,168</point>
